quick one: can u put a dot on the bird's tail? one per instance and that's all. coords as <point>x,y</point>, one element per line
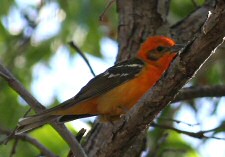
<point>35,121</point>
<point>32,122</point>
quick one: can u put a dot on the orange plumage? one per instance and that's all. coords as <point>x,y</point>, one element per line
<point>115,91</point>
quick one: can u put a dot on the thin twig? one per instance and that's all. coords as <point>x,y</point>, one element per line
<point>27,112</point>
<point>79,136</point>
<point>177,121</point>
<point>16,140</point>
<point>194,3</point>
<point>29,139</point>
<point>73,45</point>
<point>199,135</point>
<point>5,141</point>
<point>13,151</point>
<point>3,75</point>
<point>38,107</point>
<point>106,8</point>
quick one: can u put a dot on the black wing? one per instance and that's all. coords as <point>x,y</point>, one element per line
<point>111,78</point>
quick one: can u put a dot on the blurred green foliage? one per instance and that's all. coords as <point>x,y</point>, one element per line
<point>78,20</point>
<point>184,8</point>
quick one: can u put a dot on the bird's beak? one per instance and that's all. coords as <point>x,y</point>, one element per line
<point>176,48</point>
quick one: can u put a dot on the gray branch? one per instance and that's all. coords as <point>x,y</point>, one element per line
<point>38,107</point>
<point>200,92</point>
<point>199,134</point>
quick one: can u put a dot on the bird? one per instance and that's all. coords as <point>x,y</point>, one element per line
<point>116,90</point>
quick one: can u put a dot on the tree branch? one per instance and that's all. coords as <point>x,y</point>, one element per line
<point>31,140</point>
<point>176,121</point>
<point>13,151</point>
<point>200,92</point>
<point>101,17</point>
<point>199,134</point>
<point>38,107</point>
<point>118,138</point>
<point>73,45</point>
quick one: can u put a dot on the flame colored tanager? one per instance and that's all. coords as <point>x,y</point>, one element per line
<point>113,92</point>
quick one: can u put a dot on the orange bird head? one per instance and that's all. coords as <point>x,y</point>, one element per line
<point>159,51</point>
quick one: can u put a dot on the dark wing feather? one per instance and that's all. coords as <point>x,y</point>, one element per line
<point>111,78</point>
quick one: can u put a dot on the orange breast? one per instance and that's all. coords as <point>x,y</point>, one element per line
<point>122,98</point>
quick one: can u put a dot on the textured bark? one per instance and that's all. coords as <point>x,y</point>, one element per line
<point>138,20</point>
<point>108,140</point>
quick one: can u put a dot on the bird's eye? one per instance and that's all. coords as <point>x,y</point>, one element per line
<point>160,48</point>
<point>157,53</point>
